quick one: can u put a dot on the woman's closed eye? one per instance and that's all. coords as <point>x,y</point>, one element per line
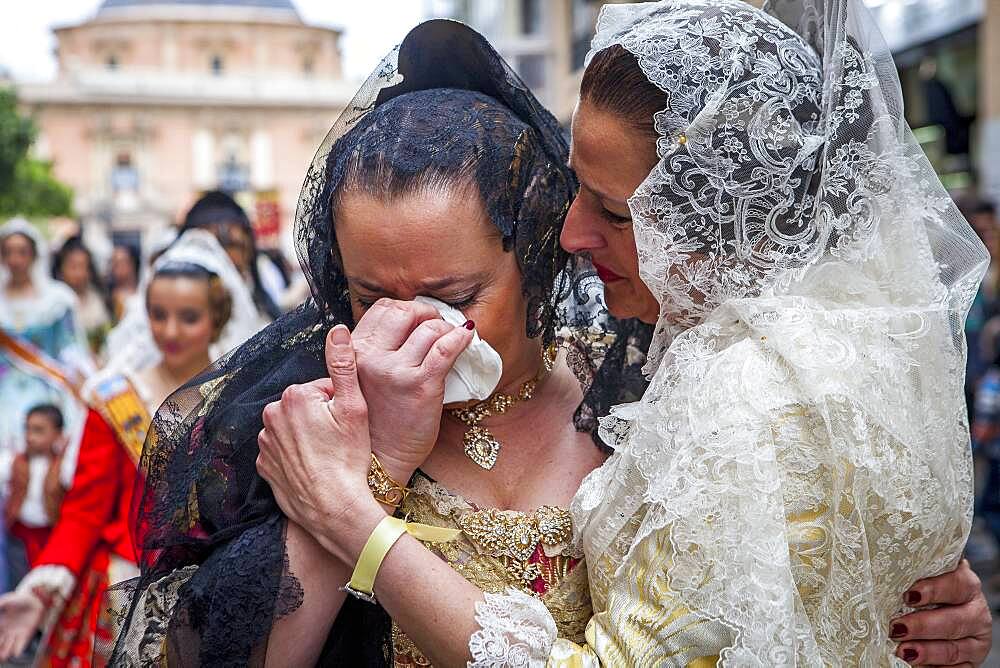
<point>459,303</point>
<point>366,302</point>
<point>615,219</point>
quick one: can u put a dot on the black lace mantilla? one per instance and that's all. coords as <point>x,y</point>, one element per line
<point>445,101</point>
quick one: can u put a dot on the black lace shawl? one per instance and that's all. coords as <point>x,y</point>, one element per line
<point>443,96</point>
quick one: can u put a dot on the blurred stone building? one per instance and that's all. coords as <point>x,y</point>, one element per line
<point>157,101</point>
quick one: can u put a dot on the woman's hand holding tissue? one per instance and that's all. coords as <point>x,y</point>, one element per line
<point>406,357</point>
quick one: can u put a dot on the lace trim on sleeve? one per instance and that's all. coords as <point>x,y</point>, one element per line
<point>515,630</point>
<point>52,579</point>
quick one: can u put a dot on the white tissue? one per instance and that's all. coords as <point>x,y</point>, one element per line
<point>477,371</point>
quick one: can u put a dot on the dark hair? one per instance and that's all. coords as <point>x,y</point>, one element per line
<point>385,175</point>
<point>50,411</point>
<point>31,242</point>
<point>134,255</point>
<point>468,144</point>
<point>71,245</point>
<point>613,82</point>
<point>213,208</point>
<point>216,208</point>
<point>220,302</point>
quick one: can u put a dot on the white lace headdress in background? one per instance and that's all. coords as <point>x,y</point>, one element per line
<point>803,444</point>
<point>47,307</point>
<point>130,342</point>
<point>52,298</point>
<point>40,268</point>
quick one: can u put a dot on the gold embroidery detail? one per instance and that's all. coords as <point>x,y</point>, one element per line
<point>586,349</point>
<point>567,595</point>
<point>513,536</point>
<point>122,408</point>
<point>406,653</point>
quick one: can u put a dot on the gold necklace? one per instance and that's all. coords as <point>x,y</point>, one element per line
<point>480,445</point>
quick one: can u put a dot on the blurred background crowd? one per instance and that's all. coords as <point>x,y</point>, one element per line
<point>127,122</point>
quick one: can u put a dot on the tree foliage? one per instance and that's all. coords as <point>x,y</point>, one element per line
<point>27,186</point>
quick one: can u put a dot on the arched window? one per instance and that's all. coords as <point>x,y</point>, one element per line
<point>124,175</point>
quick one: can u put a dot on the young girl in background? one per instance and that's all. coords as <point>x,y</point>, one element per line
<point>185,318</point>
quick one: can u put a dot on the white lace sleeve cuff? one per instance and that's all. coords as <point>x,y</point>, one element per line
<point>515,629</point>
<point>51,579</point>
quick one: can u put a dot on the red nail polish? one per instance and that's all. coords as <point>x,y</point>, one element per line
<point>913,597</point>
<point>909,654</point>
<point>469,325</point>
<point>898,630</point>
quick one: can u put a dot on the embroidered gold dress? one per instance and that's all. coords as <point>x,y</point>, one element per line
<point>503,550</point>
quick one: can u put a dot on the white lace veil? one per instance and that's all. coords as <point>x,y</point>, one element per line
<point>795,153</point>
<point>130,342</point>
<point>811,270</point>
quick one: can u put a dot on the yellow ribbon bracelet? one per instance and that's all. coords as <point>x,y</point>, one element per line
<point>383,537</point>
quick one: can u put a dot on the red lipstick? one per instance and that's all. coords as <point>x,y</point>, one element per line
<point>172,348</point>
<point>605,274</point>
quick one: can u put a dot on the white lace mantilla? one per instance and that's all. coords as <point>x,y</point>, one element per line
<point>801,456</point>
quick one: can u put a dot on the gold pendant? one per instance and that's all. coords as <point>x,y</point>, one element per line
<point>481,447</point>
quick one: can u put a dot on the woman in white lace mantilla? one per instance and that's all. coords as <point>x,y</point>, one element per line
<point>802,451</point>
<point>24,285</point>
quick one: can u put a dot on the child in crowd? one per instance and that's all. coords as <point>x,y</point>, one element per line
<point>35,491</point>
